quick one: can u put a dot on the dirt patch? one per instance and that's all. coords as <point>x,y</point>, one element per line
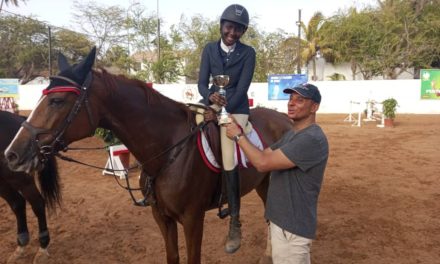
<point>379,204</point>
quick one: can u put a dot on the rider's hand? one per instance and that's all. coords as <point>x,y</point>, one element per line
<point>209,115</point>
<point>217,99</point>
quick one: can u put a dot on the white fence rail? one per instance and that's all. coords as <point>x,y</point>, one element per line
<point>336,95</point>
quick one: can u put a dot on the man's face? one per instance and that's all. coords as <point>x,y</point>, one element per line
<point>231,32</point>
<point>299,107</point>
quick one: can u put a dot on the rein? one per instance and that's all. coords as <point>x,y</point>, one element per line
<point>69,159</point>
<point>148,187</point>
<point>170,161</point>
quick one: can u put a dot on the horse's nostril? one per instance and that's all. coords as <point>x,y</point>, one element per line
<point>11,157</point>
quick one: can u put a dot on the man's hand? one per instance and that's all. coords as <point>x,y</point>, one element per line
<point>232,129</point>
<point>217,99</point>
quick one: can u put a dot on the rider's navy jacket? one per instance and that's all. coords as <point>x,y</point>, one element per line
<point>239,65</point>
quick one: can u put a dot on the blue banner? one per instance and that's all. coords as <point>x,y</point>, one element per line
<point>9,87</point>
<point>278,82</point>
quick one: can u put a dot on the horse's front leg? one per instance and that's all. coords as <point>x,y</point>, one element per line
<point>193,229</point>
<point>37,202</point>
<point>168,228</point>
<point>18,205</point>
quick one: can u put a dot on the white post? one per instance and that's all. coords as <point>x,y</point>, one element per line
<point>114,163</point>
<point>369,105</point>
<point>357,122</point>
<point>382,117</point>
<point>350,117</point>
<point>359,116</point>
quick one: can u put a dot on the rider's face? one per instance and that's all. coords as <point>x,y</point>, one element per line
<point>231,32</point>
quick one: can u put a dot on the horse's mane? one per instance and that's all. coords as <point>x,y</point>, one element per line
<point>110,81</point>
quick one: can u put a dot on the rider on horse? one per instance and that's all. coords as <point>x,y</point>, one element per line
<point>228,56</point>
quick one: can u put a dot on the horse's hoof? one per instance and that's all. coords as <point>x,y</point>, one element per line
<point>41,257</point>
<point>18,254</point>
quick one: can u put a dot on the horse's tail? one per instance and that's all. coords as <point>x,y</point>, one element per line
<point>49,183</point>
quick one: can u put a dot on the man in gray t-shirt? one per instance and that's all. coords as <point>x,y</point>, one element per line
<point>297,163</point>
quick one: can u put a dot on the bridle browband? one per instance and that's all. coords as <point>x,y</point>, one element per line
<point>48,150</point>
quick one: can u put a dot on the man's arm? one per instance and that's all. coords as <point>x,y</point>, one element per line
<point>263,160</point>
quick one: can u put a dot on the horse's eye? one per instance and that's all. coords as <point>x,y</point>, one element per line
<point>56,102</point>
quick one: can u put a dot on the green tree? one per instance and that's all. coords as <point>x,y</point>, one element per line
<point>168,68</point>
<point>388,40</point>
<point>72,44</point>
<point>314,42</point>
<point>408,41</point>
<point>196,32</point>
<point>355,37</point>
<point>24,48</point>
<point>105,25</point>
<point>117,57</point>
<point>276,53</point>
<point>144,28</point>
<point>144,45</point>
<point>430,24</point>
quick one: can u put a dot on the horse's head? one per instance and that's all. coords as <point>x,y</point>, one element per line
<point>63,115</point>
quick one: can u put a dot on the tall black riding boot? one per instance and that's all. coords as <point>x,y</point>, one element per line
<point>233,191</point>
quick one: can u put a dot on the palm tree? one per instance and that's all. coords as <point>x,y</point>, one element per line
<point>14,2</point>
<point>313,43</point>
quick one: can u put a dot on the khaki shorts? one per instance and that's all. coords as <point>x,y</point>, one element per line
<point>288,248</point>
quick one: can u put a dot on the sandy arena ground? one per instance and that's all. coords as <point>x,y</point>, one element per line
<point>379,204</point>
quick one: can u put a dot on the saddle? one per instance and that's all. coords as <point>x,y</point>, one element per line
<point>208,141</point>
<point>211,131</point>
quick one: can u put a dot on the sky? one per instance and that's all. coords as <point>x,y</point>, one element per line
<point>269,15</point>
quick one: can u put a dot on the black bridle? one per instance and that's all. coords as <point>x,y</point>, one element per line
<point>47,150</point>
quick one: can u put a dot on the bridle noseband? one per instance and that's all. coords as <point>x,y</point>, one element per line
<point>57,144</point>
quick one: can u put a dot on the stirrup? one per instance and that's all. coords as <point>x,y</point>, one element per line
<point>223,213</point>
<point>144,203</point>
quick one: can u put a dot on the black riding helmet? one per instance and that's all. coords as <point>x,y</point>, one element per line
<point>236,13</point>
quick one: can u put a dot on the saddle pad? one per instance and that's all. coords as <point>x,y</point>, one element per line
<point>239,156</point>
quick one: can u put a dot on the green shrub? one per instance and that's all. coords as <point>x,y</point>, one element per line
<point>107,135</point>
<point>389,108</point>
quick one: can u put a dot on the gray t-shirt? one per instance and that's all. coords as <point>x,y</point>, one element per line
<point>293,193</point>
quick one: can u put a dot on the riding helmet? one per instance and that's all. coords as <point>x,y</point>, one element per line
<point>236,13</point>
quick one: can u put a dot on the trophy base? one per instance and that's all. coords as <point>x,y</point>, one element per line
<point>224,120</point>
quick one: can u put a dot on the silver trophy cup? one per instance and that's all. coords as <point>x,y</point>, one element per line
<point>221,81</point>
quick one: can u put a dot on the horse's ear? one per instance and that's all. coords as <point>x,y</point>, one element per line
<point>90,60</point>
<point>85,66</point>
<point>63,64</point>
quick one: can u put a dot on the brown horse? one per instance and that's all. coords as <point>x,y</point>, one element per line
<point>158,132</point>
<point>18,187</point>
